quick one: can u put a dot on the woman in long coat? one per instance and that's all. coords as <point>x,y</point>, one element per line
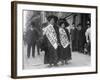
<point>64,50</point>
<point>50,41</point>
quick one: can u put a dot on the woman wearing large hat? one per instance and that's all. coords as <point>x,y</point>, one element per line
<point>64,51</point>
<point>51,41</point>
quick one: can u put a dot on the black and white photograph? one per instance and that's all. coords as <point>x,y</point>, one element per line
<point>55,39</point>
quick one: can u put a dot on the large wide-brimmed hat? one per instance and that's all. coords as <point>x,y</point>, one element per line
<point>52,17</point>
<point>63,20</point>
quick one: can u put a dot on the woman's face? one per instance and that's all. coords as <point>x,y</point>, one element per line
<point>63,25</point>
<point>52,21</point>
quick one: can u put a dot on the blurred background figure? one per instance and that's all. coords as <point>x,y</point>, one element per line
<point>79,39</point>
<point>32,35</point>
<point>88,39</point>
<point>72,35</point>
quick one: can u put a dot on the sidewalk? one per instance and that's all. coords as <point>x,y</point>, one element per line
<point>78,60</point>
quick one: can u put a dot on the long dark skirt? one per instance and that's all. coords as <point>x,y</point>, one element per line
<point>50,56</point>
<point>64,53</point>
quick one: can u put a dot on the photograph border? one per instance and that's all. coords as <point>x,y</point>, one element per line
<point>14,37</point>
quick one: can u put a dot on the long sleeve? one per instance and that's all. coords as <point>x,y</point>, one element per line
<point>57,32</point>
<point>68,34</point>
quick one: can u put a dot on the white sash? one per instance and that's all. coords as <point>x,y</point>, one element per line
<point>63,38</point>
<point>51,35</point>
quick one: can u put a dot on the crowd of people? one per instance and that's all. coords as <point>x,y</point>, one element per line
<point>55,40</point>
<point>81,40</point>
